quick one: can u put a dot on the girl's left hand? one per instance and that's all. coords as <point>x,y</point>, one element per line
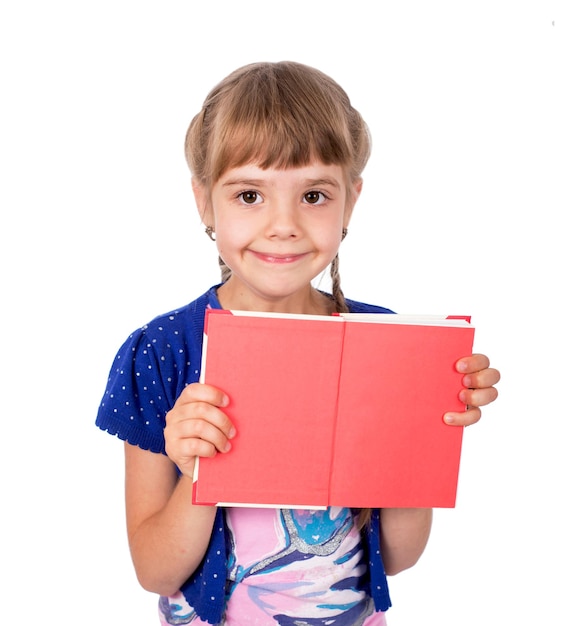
<point>479,380</point>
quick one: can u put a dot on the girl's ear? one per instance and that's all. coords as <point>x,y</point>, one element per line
<point>352,199</point>
<point>203,202</point>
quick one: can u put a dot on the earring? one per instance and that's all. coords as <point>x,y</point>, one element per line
<point>344,233</point>
<point>210,233</point>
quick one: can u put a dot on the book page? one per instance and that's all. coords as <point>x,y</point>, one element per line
<point>281,376</point>
<point>392,448</point>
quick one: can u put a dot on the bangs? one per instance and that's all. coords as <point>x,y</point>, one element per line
<point>279,143</point>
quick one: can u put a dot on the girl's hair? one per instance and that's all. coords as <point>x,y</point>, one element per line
<point>278,115</point>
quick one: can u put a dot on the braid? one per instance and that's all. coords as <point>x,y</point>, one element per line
<point>225,271</point>
<point>364,518</point>
<point>337,293</point>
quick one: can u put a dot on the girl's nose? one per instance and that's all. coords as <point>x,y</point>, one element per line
<point>283,221</point>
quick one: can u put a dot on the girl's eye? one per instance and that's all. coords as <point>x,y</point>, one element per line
<point>315,197</point>
<point>249,197</point>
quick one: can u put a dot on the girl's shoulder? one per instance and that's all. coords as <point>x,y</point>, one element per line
<point>189,316</point>
<point>362,307</point>
<point>197,307</point>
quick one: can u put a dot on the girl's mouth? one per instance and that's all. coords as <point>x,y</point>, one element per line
<point>281,259</point>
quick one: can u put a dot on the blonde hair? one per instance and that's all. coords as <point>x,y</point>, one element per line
<point>279,115</point>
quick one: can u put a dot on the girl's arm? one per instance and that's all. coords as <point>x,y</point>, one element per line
<point>405,532</point>
<point>168,535</point>
<point>403,536</point>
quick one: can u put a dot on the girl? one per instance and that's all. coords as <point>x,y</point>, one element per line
<point>276,156</point>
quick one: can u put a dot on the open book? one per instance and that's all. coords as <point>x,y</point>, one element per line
<point>343,410</point>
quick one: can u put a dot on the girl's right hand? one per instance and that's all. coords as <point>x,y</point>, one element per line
<point>197,426</point>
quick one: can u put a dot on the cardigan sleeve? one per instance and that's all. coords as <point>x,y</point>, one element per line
<point>205,590</point>
<point>378,582</point>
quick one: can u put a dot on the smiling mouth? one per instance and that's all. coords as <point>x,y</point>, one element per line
<point>280,259</point>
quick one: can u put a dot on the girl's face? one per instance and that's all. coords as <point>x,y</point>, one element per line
<point>277,229</point>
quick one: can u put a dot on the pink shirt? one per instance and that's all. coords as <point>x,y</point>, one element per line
<point>291,567</point>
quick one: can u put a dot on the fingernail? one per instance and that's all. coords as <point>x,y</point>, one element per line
<point>232,433</point>
<point>461,366</point>
<point>227,447</point>
<point>449,419</point>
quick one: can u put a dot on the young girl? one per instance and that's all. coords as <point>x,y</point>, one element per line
<point>276,156</point>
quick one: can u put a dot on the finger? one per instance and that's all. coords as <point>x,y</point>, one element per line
<point>184,452</point>
<point>473,363</point>
<point>198,401</point>
<point>189,419</point>
<point>478,397</point>
<point>198,392</point>
<point>184,441</point>
<point>215,432</point>
<point>471,416</point>
<point>484,378</point>
<point>199,421</point>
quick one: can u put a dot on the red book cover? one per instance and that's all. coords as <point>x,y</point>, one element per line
<point>343,410</point>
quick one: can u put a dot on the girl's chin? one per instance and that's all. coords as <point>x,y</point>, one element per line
<point>269,294</point>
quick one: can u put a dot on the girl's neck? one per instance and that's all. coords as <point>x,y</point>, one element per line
<point>235,296</point>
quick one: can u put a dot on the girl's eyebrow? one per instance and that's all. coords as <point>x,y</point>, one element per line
<point>332,182</point>
<point>243,181</point>
<point>254,182</point>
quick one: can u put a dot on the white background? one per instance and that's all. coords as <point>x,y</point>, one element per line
<point>469,206</point>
